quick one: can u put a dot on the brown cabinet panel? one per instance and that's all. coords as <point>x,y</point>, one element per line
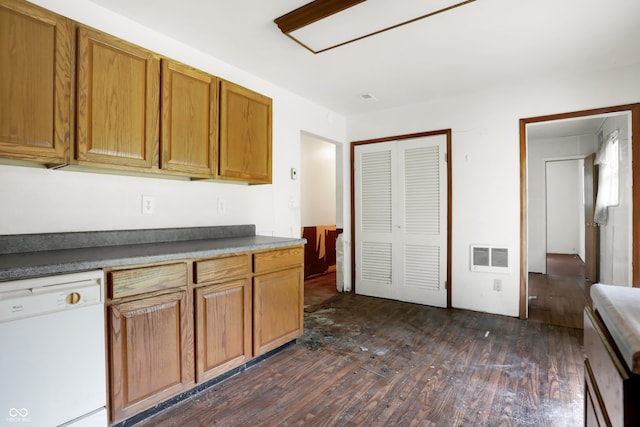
<point>611,389</point>
<point>278,259</point>
<point>278,303</point>
<point>36,58</point>
<point>189,135</point>
<point>594,410</point>
<point>223,327</point>
<point>608,372</point>
<point>135,281</point>
<point>221,269</point>
<point>245,134</point>
<point>151,342</point>
<point>118,109</point>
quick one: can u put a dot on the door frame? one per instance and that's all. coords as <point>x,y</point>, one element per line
<point>634,109</point>
<point>353,144</point>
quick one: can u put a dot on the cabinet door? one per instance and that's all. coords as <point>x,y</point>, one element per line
<point>151,348</point>
<point>245,134</point>
<point>278,303</point>
<point>189,134</point>
<point>118,102</point>
<point>223,325</point>
<point>36,55</point>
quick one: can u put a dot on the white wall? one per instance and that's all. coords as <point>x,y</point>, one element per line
<point>38,200</point>
<point>539,151</point>
<point>615,236</point>
<point>564,204</point>
<point>317,182</point>
<point>486,162</point>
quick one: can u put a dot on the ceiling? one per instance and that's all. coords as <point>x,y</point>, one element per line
<point>480,45</point>
<point>589,125</point>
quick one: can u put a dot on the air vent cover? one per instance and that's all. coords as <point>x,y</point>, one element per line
<point>489,258</point>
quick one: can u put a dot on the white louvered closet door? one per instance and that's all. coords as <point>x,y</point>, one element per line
<point>401,220</point>
<point>421,226</point>
<point>375,166</point>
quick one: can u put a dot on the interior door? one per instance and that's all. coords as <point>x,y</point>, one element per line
<point>591,229</point>
<point>401,220</point>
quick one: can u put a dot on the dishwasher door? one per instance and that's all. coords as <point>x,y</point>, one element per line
<point>52,359</point>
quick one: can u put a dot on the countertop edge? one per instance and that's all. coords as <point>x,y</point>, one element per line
<point>71,266</point>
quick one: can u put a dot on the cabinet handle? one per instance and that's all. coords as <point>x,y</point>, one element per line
<point>73,298</point>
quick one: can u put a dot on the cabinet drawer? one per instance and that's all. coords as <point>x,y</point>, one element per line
<point>124,283</point>
<point>278,260</point>
<point>219,269</point>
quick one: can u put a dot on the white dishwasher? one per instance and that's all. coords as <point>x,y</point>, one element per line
<point>52,351</point>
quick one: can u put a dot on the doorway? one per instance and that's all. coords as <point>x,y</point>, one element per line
<point>574,135</point>
<point>318,216</point>
<point>559,295</point>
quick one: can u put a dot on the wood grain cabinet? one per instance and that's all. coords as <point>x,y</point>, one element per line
<point>150,336</point>
<point>189,136</point>
<point>245,135</point>
<point>36,63</point>
<point>172,325</point>
<point>278,298</point>
<point>612,392</point>
<point>131,110</point>
<point>118,106</point>
<point>223,314</point>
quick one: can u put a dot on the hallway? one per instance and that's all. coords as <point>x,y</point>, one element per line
<point>560,296</point>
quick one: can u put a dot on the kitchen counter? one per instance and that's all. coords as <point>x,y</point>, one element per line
<point>619,308</point>
<point>34,255</point>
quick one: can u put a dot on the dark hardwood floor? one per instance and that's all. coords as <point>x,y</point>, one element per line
<point>366,361</point>
<point>319,291</point>
<point>560,296</point>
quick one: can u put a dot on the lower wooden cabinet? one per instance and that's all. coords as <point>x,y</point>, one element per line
<point>150,350</point>
<point>223,327</point>
<point>278,306</point>
<point>172,325</point>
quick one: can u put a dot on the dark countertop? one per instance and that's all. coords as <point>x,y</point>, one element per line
<point>619,308</point>
<point>21,261</point>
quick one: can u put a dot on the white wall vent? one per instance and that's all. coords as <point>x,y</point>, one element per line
<point>493,259</point>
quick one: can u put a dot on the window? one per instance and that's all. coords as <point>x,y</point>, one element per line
<point>608,158</point>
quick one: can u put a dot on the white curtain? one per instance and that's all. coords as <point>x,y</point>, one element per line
<point>608,179</point>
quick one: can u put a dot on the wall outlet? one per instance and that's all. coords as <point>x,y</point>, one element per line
<point>148,205</point>
<point>497,285</point>
<point>222,206</point>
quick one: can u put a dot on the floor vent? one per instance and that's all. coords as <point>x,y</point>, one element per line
<point>487,258</point>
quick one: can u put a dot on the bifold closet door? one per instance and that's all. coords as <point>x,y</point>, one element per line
<point>401,220</point>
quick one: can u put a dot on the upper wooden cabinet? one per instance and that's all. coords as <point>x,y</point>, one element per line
<point>118,89</point>
<point>130,111</point>
<point>245,135</point>
<point>36,63</point>
<point>189,135</point>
